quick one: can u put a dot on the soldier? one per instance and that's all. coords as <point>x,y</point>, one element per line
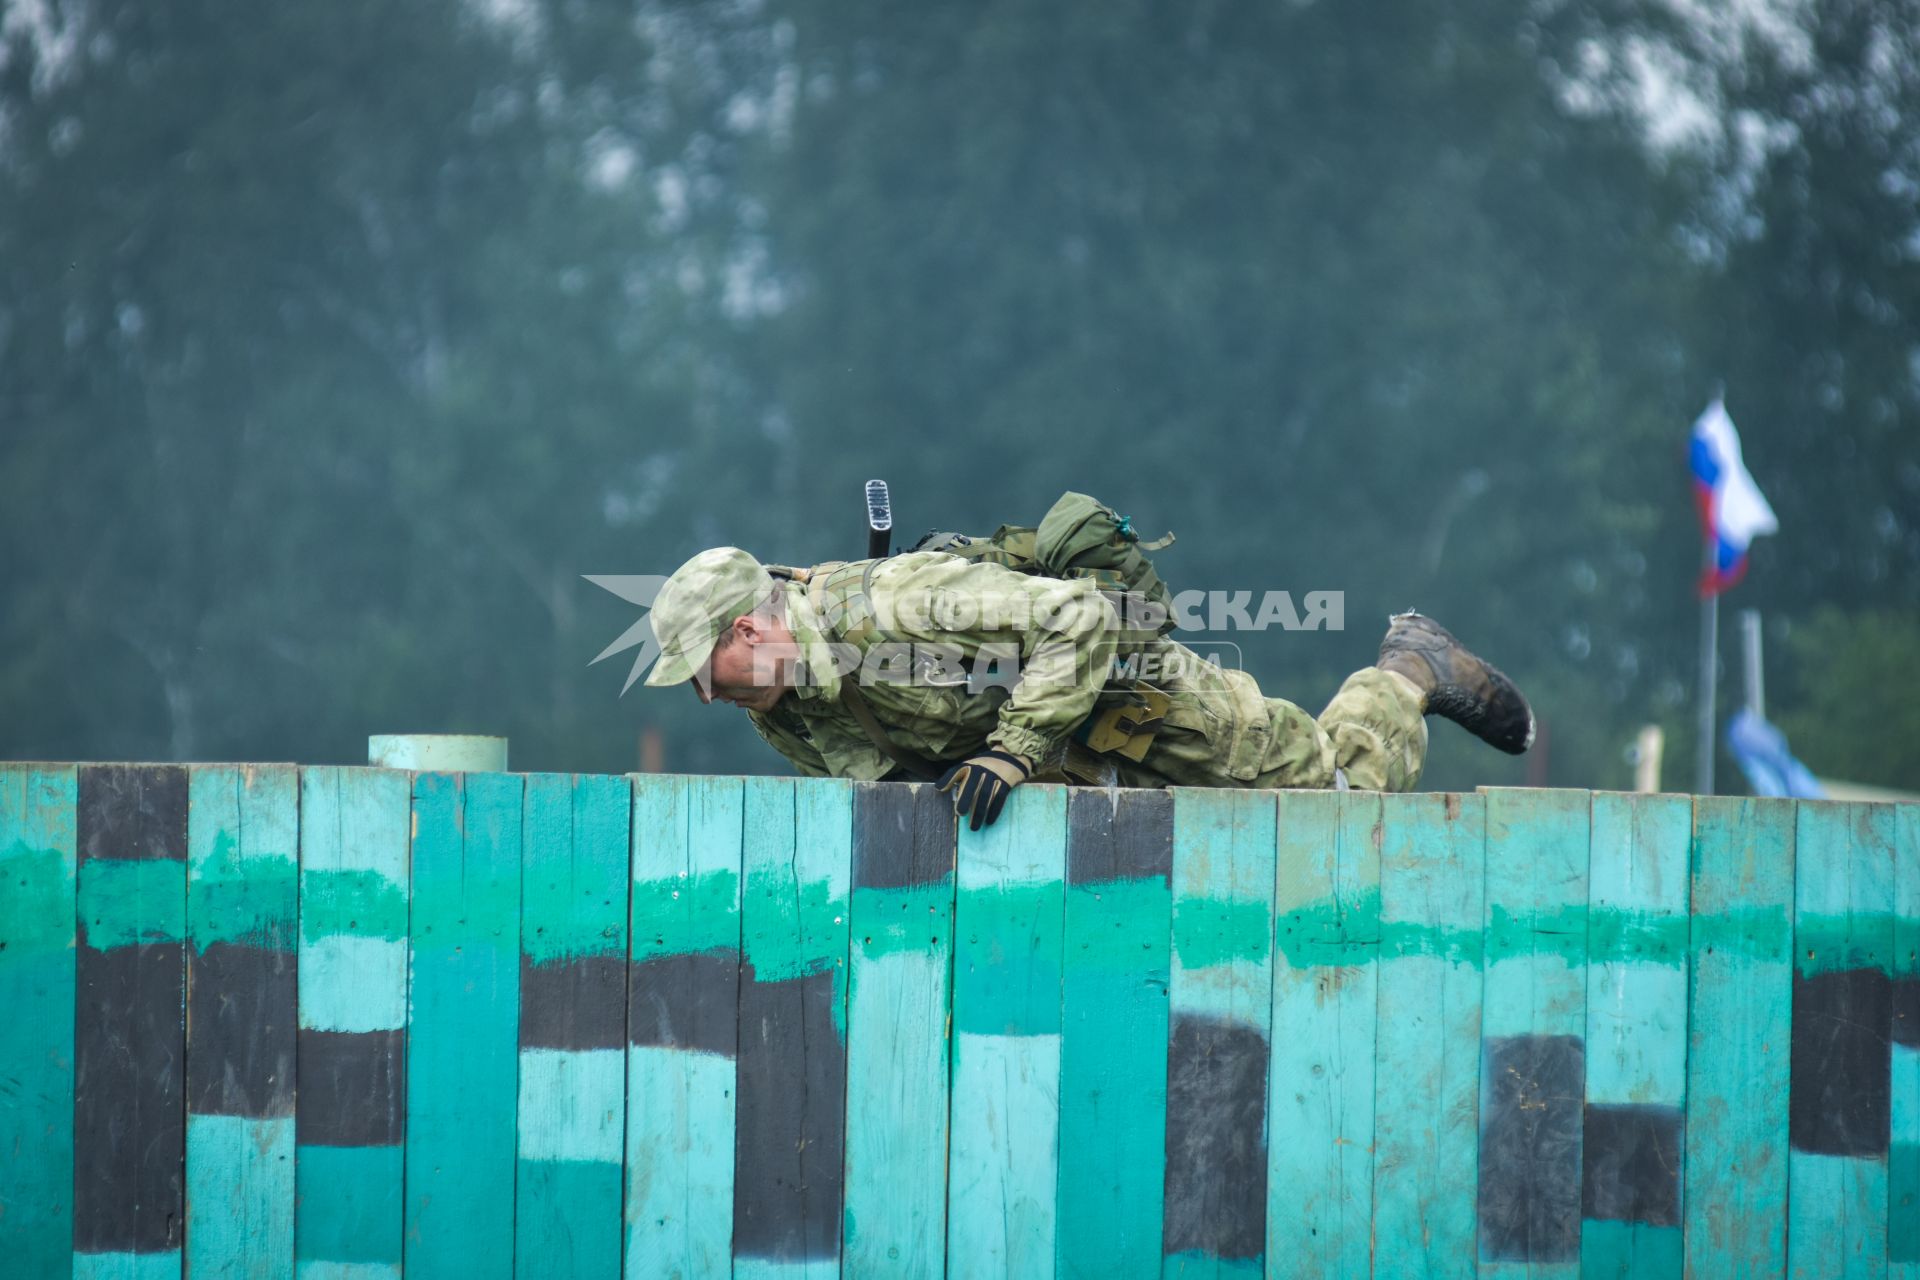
<point>933,666</point>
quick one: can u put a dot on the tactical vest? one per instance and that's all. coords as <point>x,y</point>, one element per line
<point>1125,717</point>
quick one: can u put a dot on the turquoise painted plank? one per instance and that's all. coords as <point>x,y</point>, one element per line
<point>1903,1156</point>
<point>1223,885</point>
<point>1636,1019</point>
<point>1836,1217</point>
<point>355,831</point>
<point>557,1192</point>
<point>1741,985</point>
<point>1630,1249</point>
<point>573,1074</point>
<point>1320,1096</point>
<point>1221,1007</point>
<point>1113,1054</point>
<point>774,1269</point>
<point>239,1196</point>
<point>37,914</point>
<point>680,1067</point>
<point>1427,1102</point>
<point>462,1039</point>
<point>1843,921</point>
<point>242,844</point>
<point>347,1271</point>
<point>1536,897</point>
<point>1003,1162</point>
<point>127,1266</point>
<point>897,1032</point>
<point>1637,977</point>
<point>349,1210</point>
<point>1535,987</point>
<point>566,1116</point>
<point>675,1167</point>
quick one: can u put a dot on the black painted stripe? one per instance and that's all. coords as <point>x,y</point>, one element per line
<point>1531,1116</point>
<point>1906,1012</point>
<point>1840,1099</point>
<point>903,835</point>
<point>688,1001</point>
<point>1216,1174</point>
<point>240,1031</point>
<point>352,1088</point>
<point>573,1004</point>
<point>1118,835</point>
<point>791,1125</point>
<point>129,1108</point>
<point>127,811</point>
<point>1630,1162</point>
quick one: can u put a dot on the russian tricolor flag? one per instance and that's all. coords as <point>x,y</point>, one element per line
<point>1733,511</point>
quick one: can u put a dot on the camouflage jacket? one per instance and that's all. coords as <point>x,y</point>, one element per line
<point>952,656</point>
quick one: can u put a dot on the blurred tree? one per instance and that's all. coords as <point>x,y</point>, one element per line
<point>337,342</point>
<point>349,339</point>
<point>1854,703</point>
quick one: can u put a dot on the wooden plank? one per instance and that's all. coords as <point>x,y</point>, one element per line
<point>1325,992</point>
<point>1738,1029</point>
<point>129,1118</point>
<point>242,915</point>
<point>1427,1099</point>
<point>789,1152</point>
<point>1003,1160</point>
<point>1221,1003</point>
<point>1839,1107</point>
<point>1534,1022</point>
<point>573,1025</point>
<point>463,1025</point>
<point>1113,1053</point>
<point>1633,1137</point>
<point>683,991</point>
<point>350,1100</point>
<point>897,1053</point>
<point>37,914</point>
<point>1903,1155</point>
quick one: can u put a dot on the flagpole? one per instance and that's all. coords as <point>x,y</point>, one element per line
<point>1709,647</point>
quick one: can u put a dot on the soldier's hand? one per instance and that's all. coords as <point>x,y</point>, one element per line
<point>980,785</point>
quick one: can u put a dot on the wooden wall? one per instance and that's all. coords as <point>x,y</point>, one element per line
<point>268,1021</point>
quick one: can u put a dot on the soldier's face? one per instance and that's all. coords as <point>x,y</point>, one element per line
<point>752,667</point>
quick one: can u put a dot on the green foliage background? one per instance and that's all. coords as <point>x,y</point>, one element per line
<point>338,341</point>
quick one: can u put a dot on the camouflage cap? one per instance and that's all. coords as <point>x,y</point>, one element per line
<point>701,599</point>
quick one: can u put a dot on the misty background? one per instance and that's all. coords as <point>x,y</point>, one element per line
<point>337,341</point>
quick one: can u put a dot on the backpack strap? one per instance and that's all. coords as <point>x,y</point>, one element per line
<point>912,761</point>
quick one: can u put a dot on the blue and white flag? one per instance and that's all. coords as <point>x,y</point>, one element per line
<point>1733,511</point>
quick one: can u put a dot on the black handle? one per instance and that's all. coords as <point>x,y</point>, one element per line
<point>879,519</point>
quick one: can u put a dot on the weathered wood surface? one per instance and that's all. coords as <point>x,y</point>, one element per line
<point>332,1023</point>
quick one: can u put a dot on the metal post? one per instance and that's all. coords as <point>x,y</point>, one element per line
<point>1646,759</point>
<point>1756,679</point>
<point>1709,652</point>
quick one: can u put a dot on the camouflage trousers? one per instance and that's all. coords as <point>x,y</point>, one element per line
<point>1221,731</point>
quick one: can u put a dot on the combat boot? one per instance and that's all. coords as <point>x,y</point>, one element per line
<point>1457,685</point>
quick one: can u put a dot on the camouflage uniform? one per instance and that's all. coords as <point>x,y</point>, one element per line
<point>1218,730</point>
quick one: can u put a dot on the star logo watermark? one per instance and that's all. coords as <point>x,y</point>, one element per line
<point>635,588</point>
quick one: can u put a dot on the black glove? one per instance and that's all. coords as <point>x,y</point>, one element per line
<point>983,782</point>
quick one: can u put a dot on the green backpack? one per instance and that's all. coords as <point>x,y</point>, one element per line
<point>1079,537</point>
